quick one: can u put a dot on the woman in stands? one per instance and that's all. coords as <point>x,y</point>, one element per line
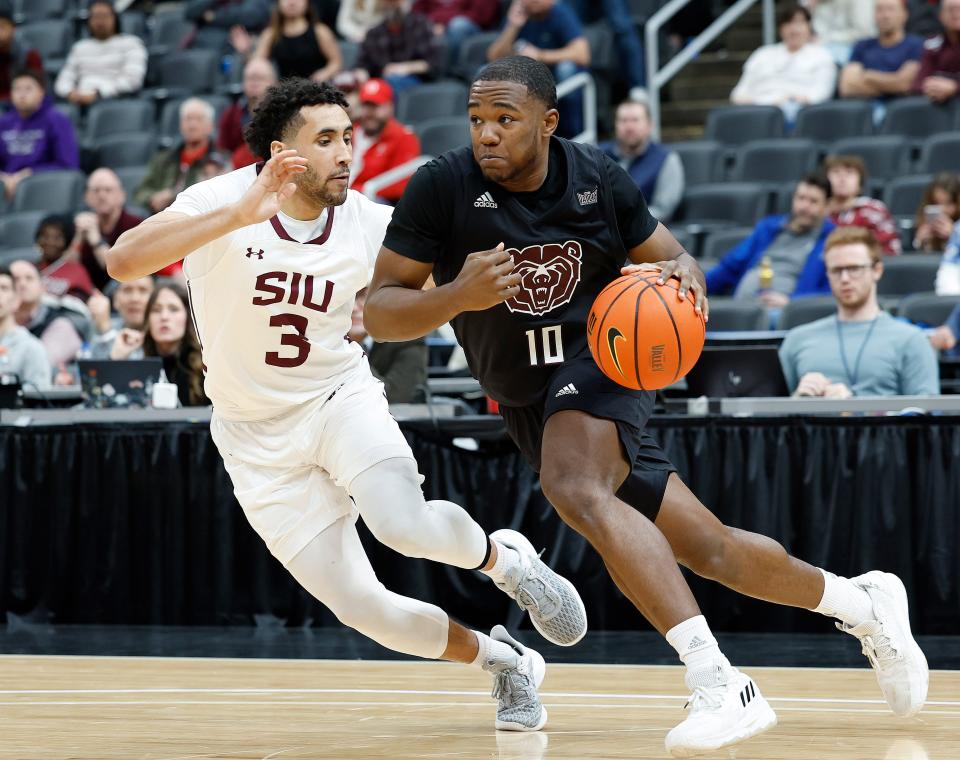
<point>298,43</point>
<point>938,211</point>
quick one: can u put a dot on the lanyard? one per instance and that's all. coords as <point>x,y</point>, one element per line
<point>852,376</point>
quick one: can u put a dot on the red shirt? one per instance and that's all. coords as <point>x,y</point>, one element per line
<point>98,274</point>
<point>874,216</point>
<point>395,145</point>
<point>941,57</point>
<point>483,13</point>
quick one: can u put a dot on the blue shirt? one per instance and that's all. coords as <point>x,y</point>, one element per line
<point>557,29</point>
<point>874,56</point>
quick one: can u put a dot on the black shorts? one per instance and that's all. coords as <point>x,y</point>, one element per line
<point>580,385</point>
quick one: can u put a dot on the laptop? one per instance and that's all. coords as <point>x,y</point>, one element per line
<point>737,372</point>
<point>123,384</point>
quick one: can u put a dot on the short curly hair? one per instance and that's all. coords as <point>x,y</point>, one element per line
<point>279,111</point>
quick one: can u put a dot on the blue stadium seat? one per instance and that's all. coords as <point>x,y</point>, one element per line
<point>885,156</point>
<point>835,120</point>
<point>774,161</point>
<point>736,125</point>
<point>917,117</point>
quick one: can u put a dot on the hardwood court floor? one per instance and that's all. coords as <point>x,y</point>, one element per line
<point>162,709</point>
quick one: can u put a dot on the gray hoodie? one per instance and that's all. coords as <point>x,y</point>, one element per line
<point>23,355</point>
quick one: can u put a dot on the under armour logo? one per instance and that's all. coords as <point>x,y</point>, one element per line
<point>251,253</point>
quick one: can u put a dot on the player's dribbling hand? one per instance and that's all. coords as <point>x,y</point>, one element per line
<point>273,187</point>
<point>688,281</point>
<point>486,280</point>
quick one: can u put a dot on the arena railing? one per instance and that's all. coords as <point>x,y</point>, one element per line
<point>657,78</point>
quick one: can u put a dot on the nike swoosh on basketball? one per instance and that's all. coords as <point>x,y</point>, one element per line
<point>613,334</point>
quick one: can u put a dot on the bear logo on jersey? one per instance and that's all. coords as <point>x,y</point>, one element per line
<point>549,274</point>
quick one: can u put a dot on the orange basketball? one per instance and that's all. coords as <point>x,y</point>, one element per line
<point>641,335</point>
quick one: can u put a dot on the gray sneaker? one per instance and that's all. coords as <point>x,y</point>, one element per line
<point>515,686</point>
<point>555,607</point>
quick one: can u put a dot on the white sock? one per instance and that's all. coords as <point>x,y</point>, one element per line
<point>695,644</point>
<point>492,652</point>
<point>844,601</point>
<point>507,559</point>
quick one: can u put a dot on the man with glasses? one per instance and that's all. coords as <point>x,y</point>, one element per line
<point>862,350</point>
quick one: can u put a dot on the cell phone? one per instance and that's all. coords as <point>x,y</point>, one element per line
<point>932,213</point>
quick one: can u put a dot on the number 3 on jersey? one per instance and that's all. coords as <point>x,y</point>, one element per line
<point>550,346</point>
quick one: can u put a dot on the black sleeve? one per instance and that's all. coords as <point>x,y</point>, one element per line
<point>634,219</point>
<point>420,228</point>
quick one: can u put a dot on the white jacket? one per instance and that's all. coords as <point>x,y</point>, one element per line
<point>773,75</point>
<point>111,67</point>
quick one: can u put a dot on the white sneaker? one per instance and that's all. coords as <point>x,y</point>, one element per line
<point>556,609</point>
<point>515,686</point>
<point>887,642</point>
<point>726,707</point>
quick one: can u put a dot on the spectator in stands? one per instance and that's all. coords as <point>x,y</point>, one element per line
<point>939,77</point>
<point>216,19</point>
<point>792,246</point>
<point>862,350</point>
<point>258,76</point>
<point>62,273</point>
<point>948,275</point>
<point>99,228</point>
<point>400,49</point>
<point>657,170</point>
<point>380,142</point>
<point>170,171</point>
<point>59,328</point>
<point>838,24</point>
<point>170,335</point>
<point>14,54</point>
<point>130,301</point>
<point>944,338</point>
<point>938,211</point>
<point>924,18</point>
<point>357,17</point>
<point>548,31</point>
<point>401,367</point>
<point>21,354</point>
<point>104,65</point>
<point>298,44</point>
<point>619,18</point>
<point>850,208</point>
<point>794,73</point>
<point>456,20</point>
<point>887,64</point>
<point>34,136</point>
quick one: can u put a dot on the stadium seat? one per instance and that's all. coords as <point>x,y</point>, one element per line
<point>725,204</point>
<point>7,255</point>
<point>729,314</point>
<point>835,120</point>
<point>917,117</point>
<point>115,117</point>
<point>913,273</point>
<point>56,192</point>
<point>928,308</point>
<point>35,10</point>
<point>903,194</point>
<point>473,53</point>
<point>720,242</point>
<point>736,125</point>
<point>119,151</point>
<point>349,51</point>
<point>134,22</point>
<point>783,198</point>
<point>885,156</point>
<point>440,135</point>
<point>168,29</point>
<point>189,70</point>
<point>800,311</point>
<point>940,153</point>
<point>701,161</point>
<point>431,101</point>
<point>19,230</point>
<point>72,112</point>
<point>170,116</point>
<point>603,50</point>
<point>777,161</point>
<point>51,37</point>
<point>131,177</point>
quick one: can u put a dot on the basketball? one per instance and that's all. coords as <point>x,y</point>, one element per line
<point>641,335</point>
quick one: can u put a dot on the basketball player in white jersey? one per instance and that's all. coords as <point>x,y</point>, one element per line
<point>274,256</point>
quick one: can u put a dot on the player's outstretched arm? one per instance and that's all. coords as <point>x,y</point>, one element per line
<point>398,308</point>
<point>171,236</point>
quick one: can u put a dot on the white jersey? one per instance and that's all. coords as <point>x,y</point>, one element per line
<point>272,313</point>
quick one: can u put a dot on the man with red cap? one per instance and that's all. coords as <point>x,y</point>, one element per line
<point>380,142</point>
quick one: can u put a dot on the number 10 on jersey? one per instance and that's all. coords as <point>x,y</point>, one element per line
<point>550,346</point>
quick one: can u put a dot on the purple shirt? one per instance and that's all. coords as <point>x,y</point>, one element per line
<point>43,141</point>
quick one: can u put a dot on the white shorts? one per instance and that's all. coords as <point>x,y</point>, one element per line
<point>291,473</point>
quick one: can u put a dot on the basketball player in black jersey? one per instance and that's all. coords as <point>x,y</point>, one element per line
<point>521,231</point>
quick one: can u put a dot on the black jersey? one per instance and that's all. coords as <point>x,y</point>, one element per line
<point>569,239</point>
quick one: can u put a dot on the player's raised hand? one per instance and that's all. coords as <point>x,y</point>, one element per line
<point>689,281</point>
<point>274,186</point>
<point>487,279</point>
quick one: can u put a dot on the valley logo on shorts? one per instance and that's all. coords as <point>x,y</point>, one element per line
<point>549,274</point>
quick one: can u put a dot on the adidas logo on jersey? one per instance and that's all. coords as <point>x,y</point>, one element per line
<point>485,201</point>
<point>568,390</point>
